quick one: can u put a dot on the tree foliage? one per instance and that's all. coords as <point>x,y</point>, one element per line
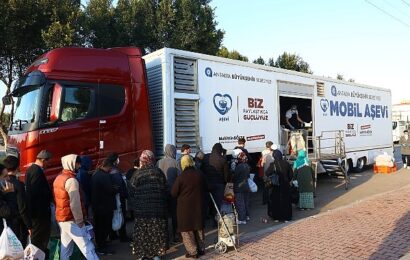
<point>260,61</point>
<point>292,62</point>
<point>234,55</point>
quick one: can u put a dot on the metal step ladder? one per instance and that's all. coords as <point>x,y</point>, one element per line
<point>326,153</point>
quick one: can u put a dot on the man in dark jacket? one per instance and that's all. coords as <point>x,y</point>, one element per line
<point>21,223</point>
<point>103,193</point>
<point>84,178</point>
<point>119,179</point>
<point>39,198</point>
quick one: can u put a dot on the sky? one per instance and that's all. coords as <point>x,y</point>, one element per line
<point>368,41</point>
<point>364,40</point>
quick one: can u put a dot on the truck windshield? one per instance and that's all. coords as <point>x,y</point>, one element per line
<point>26,104</point>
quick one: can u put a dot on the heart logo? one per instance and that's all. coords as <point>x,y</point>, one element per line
<point>222,103</point>
<point>324,104</point>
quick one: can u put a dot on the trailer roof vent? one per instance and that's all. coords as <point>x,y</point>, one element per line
<point>185,75</point>
<point>320,89</point>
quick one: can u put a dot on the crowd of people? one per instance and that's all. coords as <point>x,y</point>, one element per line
<point>169,192</point>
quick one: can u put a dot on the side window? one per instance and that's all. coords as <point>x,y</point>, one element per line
<point>111,100</point>
<point>77,103</point>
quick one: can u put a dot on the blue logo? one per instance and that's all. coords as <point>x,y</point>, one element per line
<point>222,103</point>
<point>324,104</point>
<point>334,91</point>
<point>208,72</point>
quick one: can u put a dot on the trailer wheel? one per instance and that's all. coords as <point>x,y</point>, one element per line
<point>361,162</point>
<point>221,247</point>
<point>349,165</point>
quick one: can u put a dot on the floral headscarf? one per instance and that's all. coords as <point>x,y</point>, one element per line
<point>242,158</point>
<point>147,159</point>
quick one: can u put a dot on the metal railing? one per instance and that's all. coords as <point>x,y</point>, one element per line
<point>329,145</point>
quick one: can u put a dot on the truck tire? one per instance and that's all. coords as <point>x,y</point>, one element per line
<point>361,163</point>
<point>349,165</point>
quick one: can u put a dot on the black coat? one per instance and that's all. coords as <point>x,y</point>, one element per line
<point>102,192</point>
<point>38,193</point>
<point>216,169</point>
<point>189,189</point>
<point>240,178</point>
<point>19,199</point>
<point>5,207</point>
<point>149,193</point>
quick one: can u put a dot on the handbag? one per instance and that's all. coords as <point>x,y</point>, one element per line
<point>229,194</point>
<point>274,177</point>
<point>117,219</point>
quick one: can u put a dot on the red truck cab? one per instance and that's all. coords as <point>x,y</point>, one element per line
<point>82,101</point>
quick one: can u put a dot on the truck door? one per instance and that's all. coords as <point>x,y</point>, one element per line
<point>70,123</point>
<point>115,122</point>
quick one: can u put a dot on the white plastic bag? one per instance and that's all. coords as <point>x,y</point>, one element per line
<point>117,219</point>
<point>252,185</point>
<point>32,252</point>
<point>10,246</point>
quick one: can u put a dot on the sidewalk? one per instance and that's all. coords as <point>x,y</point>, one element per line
<point>375,228</point>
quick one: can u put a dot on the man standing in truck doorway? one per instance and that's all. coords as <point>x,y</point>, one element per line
<point>293,121</point>
<point>39,198</point>
<point>405,149</point>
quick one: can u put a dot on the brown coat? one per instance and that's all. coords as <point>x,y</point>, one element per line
<point>189,189</point>
<point>404,146</point>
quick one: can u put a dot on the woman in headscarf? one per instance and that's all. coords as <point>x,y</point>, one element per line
<point>241,187</point>
<point>149,194</point>
<point>189,189</point>
<point>216,172</point>
<point>280,205</point>
<point>304,176</point>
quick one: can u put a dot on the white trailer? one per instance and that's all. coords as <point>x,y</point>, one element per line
<point>202,100</point>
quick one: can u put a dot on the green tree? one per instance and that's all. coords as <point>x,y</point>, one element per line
<point>292,62</point>
<point>260,61</point>
<point>100,24</point>
<point>21,42</point>
<point>65,28</point>
<point>235,55</point>
<point>340,77</point>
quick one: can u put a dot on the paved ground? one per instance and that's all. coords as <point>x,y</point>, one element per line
<point>342,230</point>
<point>376,228</point>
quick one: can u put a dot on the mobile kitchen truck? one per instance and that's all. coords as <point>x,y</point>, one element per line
<point>96,101</point>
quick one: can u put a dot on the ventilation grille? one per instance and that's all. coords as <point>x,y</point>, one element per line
<point>186,124</point>
<point>320,89</point>
<point>185,74</point>
<point>154,75</point>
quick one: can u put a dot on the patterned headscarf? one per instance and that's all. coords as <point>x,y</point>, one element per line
<point>242,158</point>
<point>301,160</point>
<point>186,161</point>
<point>147,159</point>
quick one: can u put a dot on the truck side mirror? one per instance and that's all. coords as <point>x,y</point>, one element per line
<point>7,100</point>
<point>55,103</point>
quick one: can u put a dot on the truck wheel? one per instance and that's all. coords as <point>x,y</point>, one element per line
<point>349,165</point>
<point>361,162</point>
